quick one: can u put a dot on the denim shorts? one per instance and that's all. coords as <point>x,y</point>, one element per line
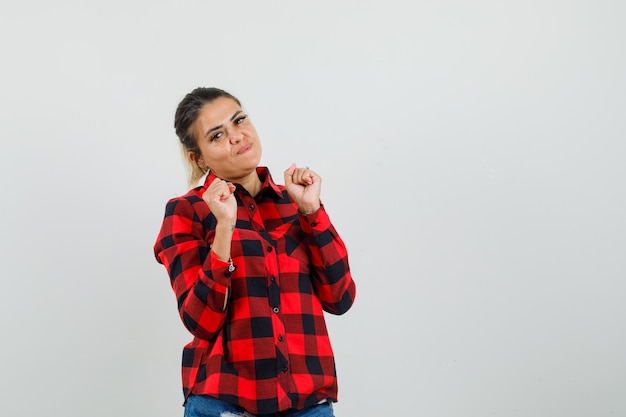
<point>205,406</point>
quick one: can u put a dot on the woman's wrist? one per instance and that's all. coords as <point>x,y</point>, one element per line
<point>225,225</point>
<point>306,211</point>
<point>222,239</point>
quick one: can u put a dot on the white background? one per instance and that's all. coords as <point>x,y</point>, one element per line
<point>473,162</point>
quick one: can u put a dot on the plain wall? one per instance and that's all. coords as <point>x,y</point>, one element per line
<point>473,162</point>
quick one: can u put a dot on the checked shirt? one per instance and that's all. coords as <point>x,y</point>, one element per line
<point>268,350</point>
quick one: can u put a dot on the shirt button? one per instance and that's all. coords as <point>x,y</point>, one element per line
<point>269,248</point>
<point>313,224</point>
<point>251,207</point>
<point>273,279</point>
<point>276,310</point>
<point>285,369</point>
<point>281,338</point>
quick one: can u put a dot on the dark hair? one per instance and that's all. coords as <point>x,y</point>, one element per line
<point>186,115</point>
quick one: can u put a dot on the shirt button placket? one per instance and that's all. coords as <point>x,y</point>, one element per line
<point>252,210</point>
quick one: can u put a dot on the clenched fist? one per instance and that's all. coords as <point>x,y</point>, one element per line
<point>221,200</point>
<point>304,187</point>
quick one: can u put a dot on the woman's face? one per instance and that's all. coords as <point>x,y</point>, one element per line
<point>228,142</point>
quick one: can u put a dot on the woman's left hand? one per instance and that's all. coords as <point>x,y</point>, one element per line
<point>304,187</point>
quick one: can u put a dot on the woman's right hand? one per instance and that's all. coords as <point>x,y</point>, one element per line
<point>221,200</point>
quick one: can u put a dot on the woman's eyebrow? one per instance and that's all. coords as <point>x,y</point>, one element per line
<point>220,126</point>
<point>235,115</point>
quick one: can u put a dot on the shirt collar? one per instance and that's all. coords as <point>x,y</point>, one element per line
<point>264,175</point>
<point>268,181</point>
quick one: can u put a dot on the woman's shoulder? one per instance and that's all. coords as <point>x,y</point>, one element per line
<point>190,202</point>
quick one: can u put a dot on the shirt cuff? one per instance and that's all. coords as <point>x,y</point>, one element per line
<point>315,222</point>
<point>220,269</point>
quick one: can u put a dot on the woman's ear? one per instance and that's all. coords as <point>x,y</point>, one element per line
<point>197,160</point>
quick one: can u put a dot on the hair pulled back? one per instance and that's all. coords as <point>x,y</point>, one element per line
<point>186,115</point>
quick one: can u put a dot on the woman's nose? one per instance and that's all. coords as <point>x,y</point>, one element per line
<point>235,136</point>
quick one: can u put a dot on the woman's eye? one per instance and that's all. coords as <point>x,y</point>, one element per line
<point>240,120</point>
<point>216,136</point>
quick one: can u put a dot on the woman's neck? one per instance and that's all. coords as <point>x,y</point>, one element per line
<point>252,183</point>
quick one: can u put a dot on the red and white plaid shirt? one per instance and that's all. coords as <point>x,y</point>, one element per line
<point>269,350</point>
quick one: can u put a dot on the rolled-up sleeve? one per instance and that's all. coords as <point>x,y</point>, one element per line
<point>329,260</point>
<point>199,279</point>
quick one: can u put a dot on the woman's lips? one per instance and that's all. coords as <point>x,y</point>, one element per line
<point>244,149</point>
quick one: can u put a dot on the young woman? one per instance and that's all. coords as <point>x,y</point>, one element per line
<point>253,265</point>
